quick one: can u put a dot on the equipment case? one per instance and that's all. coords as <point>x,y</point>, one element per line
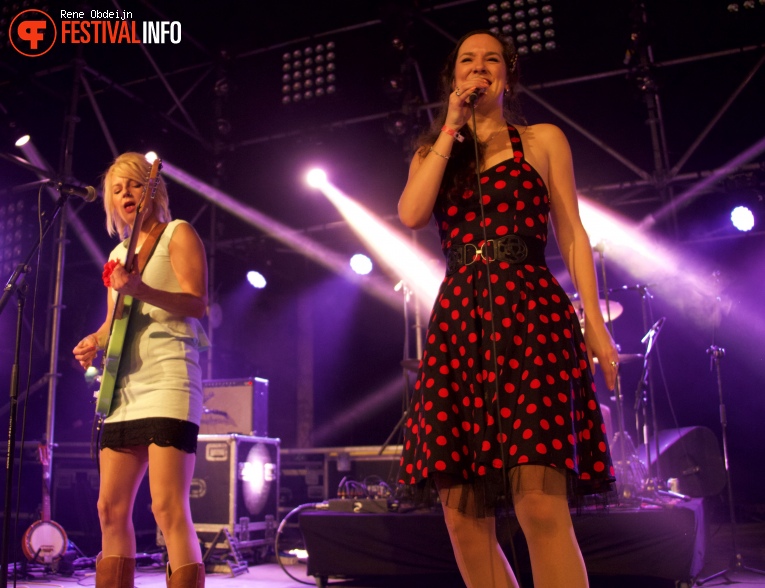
<point>236,487</point>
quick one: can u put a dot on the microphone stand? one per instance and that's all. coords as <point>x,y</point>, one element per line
<point>645,296</point>
<point>737,561</point>
<point>10,289</point>
<point>651,482</point>
<point>406,365</point>
<point>641,399</point>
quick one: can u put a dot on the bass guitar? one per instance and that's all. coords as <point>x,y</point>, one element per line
<point>45,541</point>
<point>123,304</point>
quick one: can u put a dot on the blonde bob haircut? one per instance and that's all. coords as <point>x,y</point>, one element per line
<point>132,166</point>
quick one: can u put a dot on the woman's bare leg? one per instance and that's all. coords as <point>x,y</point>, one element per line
<point>121,475</point>
<point>541,506</point>
<point>479,556</point>
<point>170,473</point>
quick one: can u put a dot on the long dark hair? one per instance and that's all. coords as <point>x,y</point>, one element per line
<point>460,171</point>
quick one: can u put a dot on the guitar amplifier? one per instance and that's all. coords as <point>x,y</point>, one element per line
<point>236,487</point>
<point>235,406</point>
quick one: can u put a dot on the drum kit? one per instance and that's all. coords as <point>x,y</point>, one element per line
<point>634,478</point>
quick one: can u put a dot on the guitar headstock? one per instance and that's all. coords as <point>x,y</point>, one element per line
<point>151,183</point>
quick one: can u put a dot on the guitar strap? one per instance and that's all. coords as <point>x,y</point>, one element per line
<point>148,247</point>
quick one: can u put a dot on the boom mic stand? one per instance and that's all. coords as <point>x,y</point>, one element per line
<point>651,482</point>
<point>11,287</point>
<point>641,400</point>
<point>408,364</point>
<point>737,561</point>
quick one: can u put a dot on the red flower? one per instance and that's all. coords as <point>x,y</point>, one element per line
<point>108,269</point>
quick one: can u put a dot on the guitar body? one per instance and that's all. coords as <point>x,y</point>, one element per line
<point>122,307</point>
<point>44,542</point>
<point>112,361</point>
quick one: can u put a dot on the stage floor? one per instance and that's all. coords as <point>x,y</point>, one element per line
<point>751,538</point>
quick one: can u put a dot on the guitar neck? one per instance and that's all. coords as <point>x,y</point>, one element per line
<point>133,241</point>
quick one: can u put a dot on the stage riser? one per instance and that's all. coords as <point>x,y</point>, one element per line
<point>666,543</point>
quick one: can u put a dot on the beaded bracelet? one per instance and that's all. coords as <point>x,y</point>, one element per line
<point>454,134</point>
<point>430,149</point>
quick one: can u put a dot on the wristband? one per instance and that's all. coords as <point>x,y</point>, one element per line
<point>454,134</point>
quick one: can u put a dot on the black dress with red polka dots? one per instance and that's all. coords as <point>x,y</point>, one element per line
<point>473,418</point>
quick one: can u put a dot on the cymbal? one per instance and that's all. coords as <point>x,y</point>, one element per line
<point>626,357</point>
<point>616,309</point>
<point>412,364</point>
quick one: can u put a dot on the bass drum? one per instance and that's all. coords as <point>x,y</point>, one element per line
<point>44,542</point>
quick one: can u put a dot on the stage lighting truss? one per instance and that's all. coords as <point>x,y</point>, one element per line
<point>16,233</point>
<point>527,23</point>
<point>308,73</point>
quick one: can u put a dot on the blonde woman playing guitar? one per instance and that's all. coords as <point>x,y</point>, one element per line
<point>152,419</point>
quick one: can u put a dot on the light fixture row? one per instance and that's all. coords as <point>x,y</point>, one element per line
<point>308,73</point>
<point>527,23</point>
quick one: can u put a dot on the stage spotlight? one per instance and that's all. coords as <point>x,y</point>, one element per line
<point>151,156</point>
<point>308,73</point>
<point>316,178</point>
<point>399,257</point>
<point>734,7</point>
<point>742,218</point>
<point>361,264</point>
<point>256,279</point>
<point>22,141</point>
<point>528,23</point>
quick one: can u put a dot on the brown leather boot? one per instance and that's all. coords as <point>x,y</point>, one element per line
<point>114,571</point>
<point>188,576</point>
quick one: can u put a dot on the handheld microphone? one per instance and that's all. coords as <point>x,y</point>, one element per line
<point>87,193</point>
<point>475,95</point>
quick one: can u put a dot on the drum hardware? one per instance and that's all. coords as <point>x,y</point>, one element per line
<point>629,469</point>
<point>607,308</point>
<point>411,364</point>
<point>625,357</point>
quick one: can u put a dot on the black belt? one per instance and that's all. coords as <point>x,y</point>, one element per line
<point>512,249</point>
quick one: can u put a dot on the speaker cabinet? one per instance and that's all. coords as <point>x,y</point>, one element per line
<point>692,455</point>
<point>235,406</point>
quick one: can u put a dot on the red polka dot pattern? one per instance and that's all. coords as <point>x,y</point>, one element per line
<point>470,418</point>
